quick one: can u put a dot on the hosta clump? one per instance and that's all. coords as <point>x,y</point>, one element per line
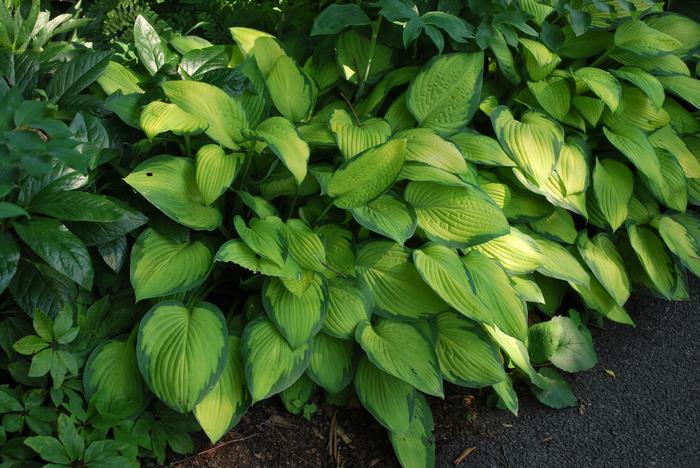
<point>374,222</point>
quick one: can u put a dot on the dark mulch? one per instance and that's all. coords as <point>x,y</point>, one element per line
<point>648,414</point>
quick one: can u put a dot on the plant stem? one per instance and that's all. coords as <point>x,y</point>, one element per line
<point>188,145</point>
<point>372,46</point>
<point>323,213</point>
<point>602,58</point>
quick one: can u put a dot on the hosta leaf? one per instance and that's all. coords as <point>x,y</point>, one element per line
<point>296,397</point>
<point>355,137</point>
<point>297,317</point>
<point>170,183</point>
<point>643,80</point>
<point>224,114</point>
<point>655,259</point>
<point>331,365</point>
<point>291,91</point>
<point>224,405</point>
<point>553,94</point>
<point>559,225</point>
<point>368,175</point>
<point>262,344</point>
<point>284,141</point>
<point>264,237</point>
<point>261,207</point>
<point>684,29</point>
<point>162,266</point>
<point>388,216</point>
<point>235,251</point>
<point>680,119</point>
<point>117,77</point>
<point>304,245</point>
<point>388,399</point>
<point>605,262</point>
<point>421,173</point>
<point>590,108</point>
<point>401,350</point>
<point>533,143</point>
<point>425,146</point>
<point>528,289</point>
<point>612,185</point>
<point>349,302</point>
<point>358,60</point>
<point>159,117</point>
<point>379,92</point>
<point>517,352</point>
<point>517,252</point>
<point>560,263</point>
<point>539,60</point>
<point>634,144</point>
<point>263,46</point>
<point>673,191</point>
<point>394,283</point>
<point>416,446</point>
<point>481,149</point>
<point>507,398</point>
<point>112,381</point>
<point>681,233</point>
<point>493,287</point>
<point>666,138</point>
<point>441,268</point>
<point>455,216</point>
<point>636,36</point>
<point>445,94</point>
<point>561,342</point>
<point>335,18</point>
<point>215,171</point>
<point>603,84</point>
<point>684,87</point>
<point>9,259</point>
<point>597,298</point>
<point>58,247</point>
<point>182,351</point>
<point>467,356</point>
<point>554,391</point>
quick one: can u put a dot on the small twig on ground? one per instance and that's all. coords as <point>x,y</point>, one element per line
<point>547,440</point>
<point>333,439</point>
<point>463,456</point>
<point>505,458</point>
<point>212,449</point>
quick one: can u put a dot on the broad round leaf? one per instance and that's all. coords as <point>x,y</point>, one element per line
<point>159,117</point>
<point>291,91</point>
<point>563,343</point>
<point>331,365</point>
<point>426,147</point>
<point>355,137</point>
<point>349,302</point>
<point>215,171</point>
<point>388,216</point>
<point>284,141</point>
<point>603,84</point>
<point>517,252</point>
<point>182,352</point>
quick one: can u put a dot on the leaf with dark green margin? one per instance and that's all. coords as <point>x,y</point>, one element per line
<point>349,302</point>
<point>388,216</point>
<point>331,365</point>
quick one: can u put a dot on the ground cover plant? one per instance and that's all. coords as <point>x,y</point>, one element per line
<point>412,193</point>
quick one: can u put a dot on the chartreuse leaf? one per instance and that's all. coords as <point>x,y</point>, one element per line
<point>426,147</point>
<point>517,252</point>
<point>636,36</point>
<point>264,237</point>
<point>379,92</point>
<point>590,108</point>
<point>58,247</point>
<point>416,446</point>
<point>445,94</point>
<point>170,183</point>
<point>603,84</point>
<point>681,233</point>
<point>263,46</point>
<point>331,365</point>
<point>304,245</point>
<point>684,87</point>
<point>401,349</point>
<point>612,185</point>
<point>368,175</point>
<point>215,171</point>
<point>605,262</point>
<point>225,115</point>
<point>441,268</point>
<point>394,283</point>
<point>558,225</point>
<point>455,216</point>
<point>493,287</point>
<point>467,355</point>
<point>390,400</point>
<point>224,405</point>
<point>236,251</point>
<point>159,117</point>
<point>517,352</point>
<point>481,149</point>
<point>563,343</point>
<point>645,81</point>
<point>297,317</point>
<point>112,382</point>
<point>559,263</point>
<point>507,398</point>
<point>634,144</point>
<point>684,29</point>
<point>284,141</point>
<point>539,60</point>
<point>349,302</point>
<point>355,137</point>
<point>553,94</point>
<point>533,142</point>
<point>182,351</point>
<point>673,192</point>
<point>162,266</point>
<point>389,216</point>
<point>359,60</point>
<point>262,344</point>
<point>9,259</point>
<point>597,298</point>
<point>655,259</point>
<point>666,138</point>
<point>291,91</point>
<point>296,397</point>
<point>528,289</point>
<point>117,77</point>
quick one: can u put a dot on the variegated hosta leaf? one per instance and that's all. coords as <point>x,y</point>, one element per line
<point>297,317</point>
<point>605,262</point>
<point>681,233</point>
<point>637,37</point>
<point>560,263</point>
<point>553,94</point>
<point>666,138</point>
<point>394,283</point>
<point>425,146</point>
<point>291,91</point>
<point>643,80</point>
<point>517,252</point>
<point>284,141</point>
<point>634,144</point>
<point>528,289</point>
<point>673,191</point>
<point>467,355</point>
<point>539,60</point>
<point>224,114</point>
<point>304,245</point>
<point>612,185</point>
<point>684,87</point>
<point>331,365</point>
<point>264,237</point>
<point>298,395</point>
<point>590,108</point>
<point>597,298</point>
<point>517,352</point>
<point>572,166</point>
<point>222,408</point>
<point>655,259</point>
<point>680,119</point>
<point>340,253</point>
<point>388,216</point>
<point>159,117</point>
<point>379,92</point>
<point>162,266</point>
<point>263,46</point>
<point>112,381</point>
<point>455,216</point>
<point>416,446</point>
<point>402,350</point>
<point>558,225</point>
<point>169,183</point>
<point>445,94</point>
<point>533,142</point>
<point>481,149</point>
<point>355,137</point>
<point>182,351</point>
<point>215,171</point>
<point>236,251</point>
<point>349,302</point>
<point>603,84</point>
<point>563,343</point>
<point>682,28</point>
<point>368,175</point>
<point>636,110</point>
<point>388,399</point>
<point>262,345</point>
